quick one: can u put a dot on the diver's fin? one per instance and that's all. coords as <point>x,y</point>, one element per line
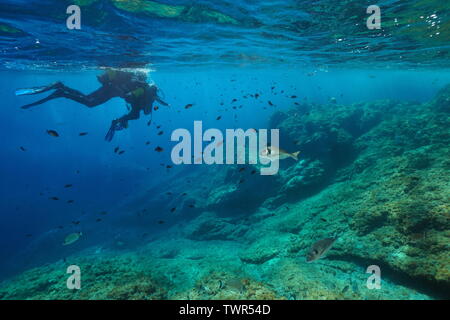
<point>115,126</point>
<point>54,95</point>
<point>37,90</point>
<point>110,135</point>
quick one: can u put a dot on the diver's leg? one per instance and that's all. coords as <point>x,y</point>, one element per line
<point>91,100</point>
<point>96,98</point>
<point>134,114</point>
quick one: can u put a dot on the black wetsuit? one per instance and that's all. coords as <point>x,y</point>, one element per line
<point>138,94</point>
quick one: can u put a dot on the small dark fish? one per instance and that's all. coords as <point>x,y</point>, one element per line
<point>190,105</point>
<point>241,169</point>
<point>104,213</point>
<point>159,149</point>
<point>345,289</point>
<point>184,194</point>
<point>160,133</point>
<point>319,248</point>
<point>147,143</point>
<point>173,210</point>
<point>54,198</point>
<point>116,149</point>
<point>156,108</point>
<point>191,206</point>
<point>169,167</point>
<point>256,95</point>
<point>253,172</point>
<point>324,220</point>
<point>23,149</point>
<point>83,134</point>
<point>161,222</point>
<point>76,222</point>
<point>219,117</point>
<point>169,193</point>
<point>68,186</point>
<point>53,133</point>
<point>149,123</point>
<point>270,103</point>
<point>70,201</point>
<point>121,152</point>
<point>98,220</point>
<point>241,181</point>
<point>293,97</point>
<point>234,100</point>
<point>157,127</point>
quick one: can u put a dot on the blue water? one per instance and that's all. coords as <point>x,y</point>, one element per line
<point>192,60</point>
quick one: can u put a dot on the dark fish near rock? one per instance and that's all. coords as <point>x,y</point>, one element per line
<point>319,248</point>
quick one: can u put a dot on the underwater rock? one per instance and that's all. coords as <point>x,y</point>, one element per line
<point>136,288</point>
<point>210,227</point>
<point>442,100</point>
<point>266,248</point>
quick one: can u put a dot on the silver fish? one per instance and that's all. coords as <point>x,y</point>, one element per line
<point>273,153</point>
<point>319,248</point>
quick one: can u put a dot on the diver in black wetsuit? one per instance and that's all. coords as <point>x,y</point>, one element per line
<point>132,87</point>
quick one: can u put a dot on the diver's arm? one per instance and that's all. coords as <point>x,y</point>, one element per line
<point>162,102</point>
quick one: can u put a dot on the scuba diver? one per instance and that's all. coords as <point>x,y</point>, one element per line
<point>132,87</point>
